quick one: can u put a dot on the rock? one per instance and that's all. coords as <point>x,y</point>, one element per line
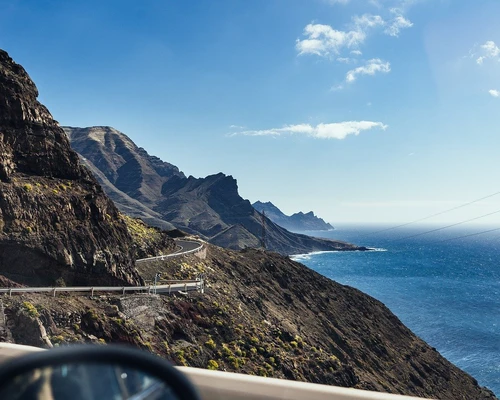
<point>55,220</point>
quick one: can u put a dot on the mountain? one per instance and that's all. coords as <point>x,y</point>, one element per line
<point>145,186</point>
<point>296,222</point>
<point>56,223</point>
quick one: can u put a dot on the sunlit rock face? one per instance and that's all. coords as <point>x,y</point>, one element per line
<point>55,220</point>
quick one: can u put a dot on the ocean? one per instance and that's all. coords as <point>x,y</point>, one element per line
<point>446,292</point>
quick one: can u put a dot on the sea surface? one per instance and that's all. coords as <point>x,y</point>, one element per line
<point>446,291</point>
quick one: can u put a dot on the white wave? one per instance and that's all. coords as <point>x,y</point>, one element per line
<point>307,256</point>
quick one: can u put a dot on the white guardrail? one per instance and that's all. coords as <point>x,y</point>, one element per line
<point>182,253</point>
<point>177,287</point>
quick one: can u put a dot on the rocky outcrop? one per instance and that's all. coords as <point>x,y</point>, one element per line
<point>55,220</point>
<point>298,222</point>
<point>210,207</point>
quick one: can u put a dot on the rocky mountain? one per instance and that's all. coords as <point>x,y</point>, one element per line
<point>261,314</point>
<point>144,186</point>
<point>298,222</point>
<point>55,220</point>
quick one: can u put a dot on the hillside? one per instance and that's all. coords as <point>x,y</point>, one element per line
<point>298,222</point>
<point>261,314</point>
<point>56,223</point>
<point>146,187</point>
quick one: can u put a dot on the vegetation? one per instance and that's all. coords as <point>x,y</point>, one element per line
<point>31,309</point>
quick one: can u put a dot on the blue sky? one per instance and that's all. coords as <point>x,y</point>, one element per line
<point>361,110</point>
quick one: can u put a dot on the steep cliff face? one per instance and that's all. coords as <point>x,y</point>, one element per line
<point>55,220</point>
<point>157,192</point>
<point>296,222</point>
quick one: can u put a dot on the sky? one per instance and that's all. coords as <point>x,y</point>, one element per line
<point>363,111</point>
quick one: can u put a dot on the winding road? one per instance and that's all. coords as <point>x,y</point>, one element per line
<point>185,247</point>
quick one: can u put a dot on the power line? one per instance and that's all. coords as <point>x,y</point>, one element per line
<point>431,216</point>
<point>469,235</point>
<point>447,226</point>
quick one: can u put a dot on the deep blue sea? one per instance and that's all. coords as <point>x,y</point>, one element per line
<point>448,292</point>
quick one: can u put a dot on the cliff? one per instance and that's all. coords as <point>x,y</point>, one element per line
<point>144,186</point>
<point>55,220</point>
<point>298,222</point>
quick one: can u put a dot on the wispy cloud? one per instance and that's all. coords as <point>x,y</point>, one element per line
<point>494,92</point>
<point>336,130</point>
<point>236,127</point>
<point>366,21</point>
<point>399,22</point>
<point>371,68</point>
<point>323,40</point>
<point>487,50</point>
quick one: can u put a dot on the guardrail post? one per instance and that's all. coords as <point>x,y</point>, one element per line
<point>123,290</point>
<point>169,288</point>
<point>185,287</point>
<point>54,293</point>
<point>92,293</point>
<point>10,292</point>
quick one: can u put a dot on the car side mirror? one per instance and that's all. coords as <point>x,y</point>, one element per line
<point>92,373</point>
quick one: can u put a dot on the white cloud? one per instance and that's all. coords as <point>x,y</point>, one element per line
<point>356,52</point>
<point>491,48</point>
<point>399,22</point>
<point>367,21</point>
<point>345,60</point>
<point>236,127</point>
<point>373,66</point>
<point>323,40</point>
<point>488,50</point>
<point>336,130</point>
<point>494,92</point>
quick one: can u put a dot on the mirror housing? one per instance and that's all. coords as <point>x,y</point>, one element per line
<point>76,362</point>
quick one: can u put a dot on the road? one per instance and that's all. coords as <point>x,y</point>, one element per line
<point>185,247</point>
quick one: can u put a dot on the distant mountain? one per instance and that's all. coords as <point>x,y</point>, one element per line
<point>298,222</point>
<point>145,186</point>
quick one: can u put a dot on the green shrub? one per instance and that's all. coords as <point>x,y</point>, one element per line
<point>31,309</point>
<point>226,351</point>
<point>210,344</point>
<point>235,362</point>
<point>28,187</point>
<point>213,365</point>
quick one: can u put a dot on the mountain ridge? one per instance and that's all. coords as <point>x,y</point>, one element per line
<point>297,222</point>
<point>207,207</point>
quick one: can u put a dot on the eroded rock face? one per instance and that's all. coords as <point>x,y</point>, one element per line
<point>55,220</point>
